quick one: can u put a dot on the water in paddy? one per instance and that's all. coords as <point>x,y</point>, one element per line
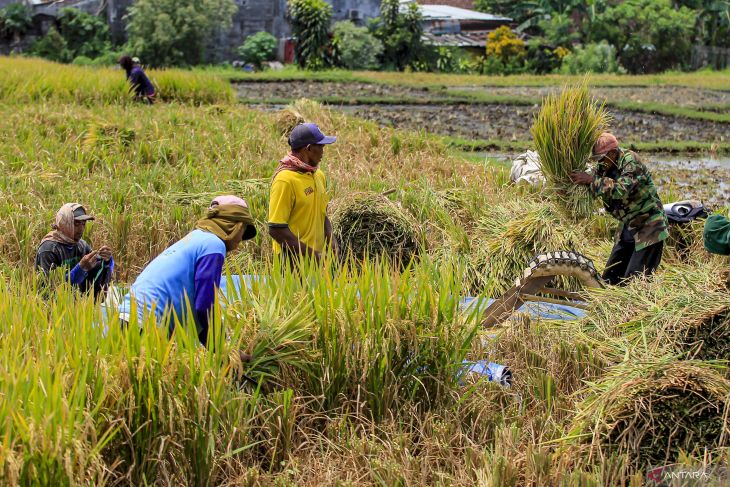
<point>701,177</point>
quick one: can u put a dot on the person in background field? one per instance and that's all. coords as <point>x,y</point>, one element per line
<point>190,270</point>
<point>628,193</point>
<point>140,83</point>
<point>86,269</point>
<point>298,221</point>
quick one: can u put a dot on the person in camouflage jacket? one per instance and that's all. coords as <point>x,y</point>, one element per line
<point>627,191</point>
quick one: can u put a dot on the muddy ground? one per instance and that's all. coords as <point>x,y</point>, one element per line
<point>667,95</point>
<point>707,181</point>
<point>690,177</point>
<point>314,90</point>
<point>510,122</point>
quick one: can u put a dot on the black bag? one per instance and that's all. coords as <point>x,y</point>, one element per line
<point>685,211</point>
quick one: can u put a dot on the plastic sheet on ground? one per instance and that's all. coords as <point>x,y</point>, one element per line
<point>468,304</point>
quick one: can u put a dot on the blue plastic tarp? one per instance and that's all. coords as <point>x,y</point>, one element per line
<point>468,304</point>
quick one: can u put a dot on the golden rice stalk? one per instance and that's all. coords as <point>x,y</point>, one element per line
<point>564,132</point>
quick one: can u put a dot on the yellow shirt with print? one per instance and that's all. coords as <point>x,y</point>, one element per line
<point>299,200</point>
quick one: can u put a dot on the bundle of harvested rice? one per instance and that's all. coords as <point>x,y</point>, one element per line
<point>510,234</point>
<point>287,119</point>
<point>652,411</point>
<point>565,130</point>
<point>683,311</point>
<point>104,136</point>
<point>370,225</point>
<point>706,338</point>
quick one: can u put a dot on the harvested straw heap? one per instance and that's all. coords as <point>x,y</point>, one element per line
<point>370,225</point>
<point>651,411</point>
<point>507,237</point>
<point>107,136</point>
<point>705,338</point>
<point>564,132</point>
<point>287,119</point>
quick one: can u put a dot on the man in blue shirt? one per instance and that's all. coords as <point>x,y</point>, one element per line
<point>187,275</point>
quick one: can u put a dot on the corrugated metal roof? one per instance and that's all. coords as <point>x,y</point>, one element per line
<point>447,12</point>
<point>455,40</point>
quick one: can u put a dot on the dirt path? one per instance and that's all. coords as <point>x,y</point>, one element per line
<point>509,122</point>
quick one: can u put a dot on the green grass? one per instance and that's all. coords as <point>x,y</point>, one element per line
<point>716,80</point>
<point>668,146</point>
<point>27,80</point>
<point>356,367</point>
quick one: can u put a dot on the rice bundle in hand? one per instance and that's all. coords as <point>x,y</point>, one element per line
<point>655,410</point>
<point>370,225</point>
<point>565,130</point>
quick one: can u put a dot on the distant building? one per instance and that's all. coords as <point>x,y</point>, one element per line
<point>252,16</point>
<point>467,4</point>
<point>446,25</point>
<point>270,15</point>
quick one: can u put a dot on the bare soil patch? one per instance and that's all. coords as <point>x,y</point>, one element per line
<point>512,122</point>
<point>666,95</point>
<point>315,90</point>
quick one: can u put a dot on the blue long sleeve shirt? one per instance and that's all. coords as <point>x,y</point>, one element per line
<point>187,272</point>
<point>52,255</point>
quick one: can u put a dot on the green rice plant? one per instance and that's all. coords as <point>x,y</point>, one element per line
<point>31,80</point>
<point>564,132</point>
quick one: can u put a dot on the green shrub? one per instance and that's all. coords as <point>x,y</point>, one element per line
<point>649,35</point>
<point>453,60</point>
<point>85,34</point>
<point>356,47</point>
<point>108,58</point>
<point>15,20</point>
<point>400,32</point>
<point>53,47</point>
<point>258,48</point>
<point>591,58</point>
<point>541,57</point>
<point>559,30</point>
<point>176,32</point>
<point>310,23</point>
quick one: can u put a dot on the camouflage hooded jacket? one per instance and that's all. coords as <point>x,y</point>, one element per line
<point>629,194</point>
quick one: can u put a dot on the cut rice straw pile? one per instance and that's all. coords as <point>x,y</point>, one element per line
<point>369,225</point>
<point>652,411</point>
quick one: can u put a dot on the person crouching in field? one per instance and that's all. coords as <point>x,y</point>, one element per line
<point>716,235</point>
<point>187,275</point>
<point>140,83</point>
<point>628,193</point>
<point>298,222</point>
<point>63,248</point>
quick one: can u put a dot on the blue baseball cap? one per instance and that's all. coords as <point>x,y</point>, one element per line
<point>306,134</point>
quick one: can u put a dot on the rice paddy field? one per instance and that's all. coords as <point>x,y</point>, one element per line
<point>357,371</point>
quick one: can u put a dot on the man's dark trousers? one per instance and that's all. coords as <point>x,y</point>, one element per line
<point>625,261</point>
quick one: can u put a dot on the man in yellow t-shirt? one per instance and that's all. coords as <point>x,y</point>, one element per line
<point>298,220</point>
